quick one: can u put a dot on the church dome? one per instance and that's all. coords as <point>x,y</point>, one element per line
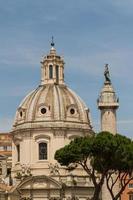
<point>52,104</point>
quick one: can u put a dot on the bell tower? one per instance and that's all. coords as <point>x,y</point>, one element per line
<point>52,68</point>
<point>108,104</point>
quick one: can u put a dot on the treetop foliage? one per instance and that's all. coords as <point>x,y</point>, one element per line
<point>108,155</point>
<point>104,150</point>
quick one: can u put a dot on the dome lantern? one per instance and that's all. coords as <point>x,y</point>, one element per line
<point>52,68</point>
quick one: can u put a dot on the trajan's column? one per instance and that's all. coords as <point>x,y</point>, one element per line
<point>108,104</point>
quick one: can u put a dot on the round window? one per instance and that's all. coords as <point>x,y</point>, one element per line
<point>43,110</point>
<point>72,111</point>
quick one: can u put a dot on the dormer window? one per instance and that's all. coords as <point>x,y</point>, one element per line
<point>72,111</point>
<point>21,113</point>
<point>50,71</point>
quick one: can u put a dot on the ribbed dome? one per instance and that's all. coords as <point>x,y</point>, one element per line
<point>52,105</point>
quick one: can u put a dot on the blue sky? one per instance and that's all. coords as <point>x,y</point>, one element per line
<point>87,34</point>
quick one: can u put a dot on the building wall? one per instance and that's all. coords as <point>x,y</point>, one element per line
<point>6,150</point>
<point>5,144</point>
<point>128,192</point>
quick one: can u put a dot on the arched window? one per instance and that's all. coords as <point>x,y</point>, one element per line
<point>57,73</point>
<point>43,151</point>
<point>50,71</point>
<point>18,152</point>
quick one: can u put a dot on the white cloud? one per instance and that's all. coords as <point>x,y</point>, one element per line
<point>19,56</point>
<point>125,6</point>
<point>118,60</point>
<point>16,91</point>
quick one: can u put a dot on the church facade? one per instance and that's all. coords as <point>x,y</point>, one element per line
<point>47,119</point>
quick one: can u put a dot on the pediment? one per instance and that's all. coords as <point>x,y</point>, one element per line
<point>39,182</point>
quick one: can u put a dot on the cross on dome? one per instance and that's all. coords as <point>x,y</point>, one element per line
<point>52,43</point>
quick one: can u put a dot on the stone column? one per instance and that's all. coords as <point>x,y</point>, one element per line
<point>108,104</point>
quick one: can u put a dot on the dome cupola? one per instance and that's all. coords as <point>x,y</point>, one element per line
<point>52,69</point>
<point>52,104</point>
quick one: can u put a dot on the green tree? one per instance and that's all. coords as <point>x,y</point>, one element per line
<point>113,154</point>
<point>102,156</point>
<point>122,166</point>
